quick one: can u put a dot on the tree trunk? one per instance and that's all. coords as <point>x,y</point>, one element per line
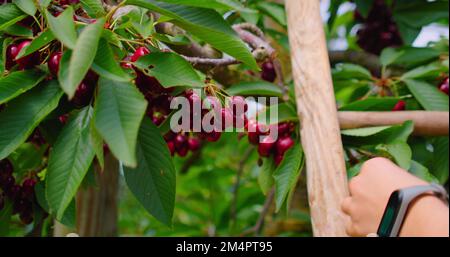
<point>321,139</point>
<point>97,209</point>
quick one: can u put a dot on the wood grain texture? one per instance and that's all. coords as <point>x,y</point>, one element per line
<point>320,132</point>
<point>425,123</point>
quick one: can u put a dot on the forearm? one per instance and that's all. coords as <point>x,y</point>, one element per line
<point>427,216</point>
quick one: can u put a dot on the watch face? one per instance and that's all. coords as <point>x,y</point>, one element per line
<point>390,215</point>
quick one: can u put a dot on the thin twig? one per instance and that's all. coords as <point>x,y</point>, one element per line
<point>252,28</point>
<point>189,162</point>
<point>235,191</point>
<point>257,229</point>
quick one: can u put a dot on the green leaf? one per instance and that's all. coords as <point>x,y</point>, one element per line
<point>63,27</point>
<point>119,110</point>
<point>265,177</point>
<point>18,82</point>
<point>364,6</point>
<point>97,144</point>
<point>5,218</point>
<point>9,15</point>
<point>277,114</point>
<point>153,181</point>
<point>69,161</point>
<point>212,4</point>
<point>68,218</point>
<point>422,172</point>
<point>23,115</point>
<point>287,174</point>
<point>428,96</point>
<point>170,69</point>
<point>345,71</point>
<point>400,151</point>
<point>17,30</point>
<point>27,158</point>
<point>380,135</point>
<point>93,7</point>
<point>439,164</point>
<point>372,104</point>
<point>364,132</point>
<point>106,65</point>
<point>429,71</point>
<point>274,10</point>
<point>389,56</point>
<point>27,6</point>
<point>205,24</point>
<point>258,88</point>
<point>40,41</point>
<point>83,56</point>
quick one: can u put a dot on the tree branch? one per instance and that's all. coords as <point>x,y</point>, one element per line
<point>257,229</point>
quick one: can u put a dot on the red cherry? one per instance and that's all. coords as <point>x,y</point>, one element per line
<point>284,144</point>
<point>266,146</point>
<point>180,141</point>
<point>226,118</point>
<point>444,86</point>
<point>240,121</point>
<point>182,152</point>
<point>193,144</point>
<point>63,118</point>
<point>238,103</point>
<point>268,72</point>
<point>83,95</point>
<point>158,120</point>
<point>400,106</point>
<point>214,136</point>
<point>171,146</point>
<point>11,52</point>
<point>53,62</point>
<point>283,128</point>
<point>278,159</point>
<point>141,51</point>
<point>28,61</point>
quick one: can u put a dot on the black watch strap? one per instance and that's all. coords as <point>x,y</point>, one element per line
<point>398,204</point>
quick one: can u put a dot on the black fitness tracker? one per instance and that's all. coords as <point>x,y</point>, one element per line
<point>398,204</point>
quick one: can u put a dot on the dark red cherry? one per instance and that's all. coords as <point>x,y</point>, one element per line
<point>214,136</point>
<point>141,51</point>
<point>278,159</point>
<point>444,86</point>
<point>171,147</point>
<point>182,152</point>
<point>400,106</point>
<point>268,72</point>
<point>28,61</point>
<point>53,63</point>
<point>266,146</point>
<point>11,52</point>
<point>193,144</point>
<point>180,141</point>
<point>284,144</point>
<point>238,103</point>
<point>2,201</point>
<point>83,95</point>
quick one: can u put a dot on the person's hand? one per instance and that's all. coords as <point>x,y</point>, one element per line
<point>370,192</point>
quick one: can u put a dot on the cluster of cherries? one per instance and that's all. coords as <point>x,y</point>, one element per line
<point>379,29</point>
<point>21,195</point>
<point>443,87</point>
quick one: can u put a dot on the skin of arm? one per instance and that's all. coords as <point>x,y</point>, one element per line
<point>369,195</point>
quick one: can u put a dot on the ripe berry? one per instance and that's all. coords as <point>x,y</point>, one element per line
<point>226,118</point>
<point>268,72</point>
<point>63,118</point>
<point>182,152</point>
<point>266,146</point>
<point>214,136</point>
<point>28,61</point>
<point>180,141</point>
<point>26,218</point>
<point>193,144</point>
<point>83,95</point>
<point>53,63</point>
<point>444,86</point>
<point>158,120</point>
<point>6,167</point>
<point>141,51</point>
<point>240,121</point>
<point>238,103</point>
<point>284,144</point>
<point>28,188</point>
<point>171,147</point>
<point>400,106</point>
<point>13,192</point>
<point>11,52</point>
<point>278,159</point>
